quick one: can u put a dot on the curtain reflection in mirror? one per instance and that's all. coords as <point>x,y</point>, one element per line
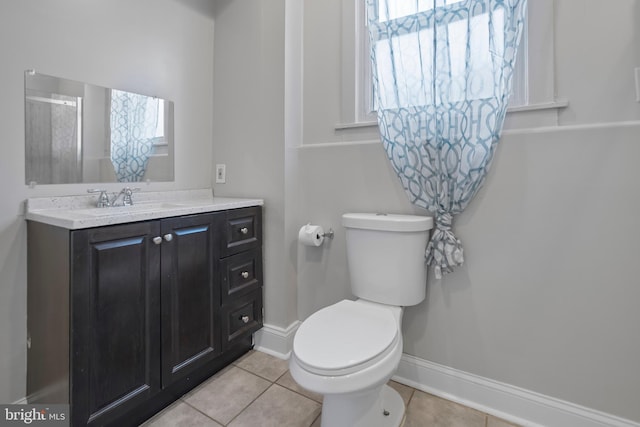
<point>134,126</point>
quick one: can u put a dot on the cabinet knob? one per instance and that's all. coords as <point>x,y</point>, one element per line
<point>245,319</point>
<point>168,237</point>
<point>245,274</point>
<point>157,240</point>
<point>244,230</point>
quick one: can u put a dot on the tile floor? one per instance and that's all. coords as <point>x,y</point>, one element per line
<point>258,391</point>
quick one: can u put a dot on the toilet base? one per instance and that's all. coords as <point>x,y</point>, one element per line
<point>379,407</point>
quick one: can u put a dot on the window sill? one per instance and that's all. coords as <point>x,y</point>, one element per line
<point>553,105</point>
<point>356,125</point>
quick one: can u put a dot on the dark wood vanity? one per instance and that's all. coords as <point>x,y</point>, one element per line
<point>124,319</point>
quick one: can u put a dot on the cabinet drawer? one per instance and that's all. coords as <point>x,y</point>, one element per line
<point>242,230</point>
<point>242,316</point>
<point>241,273</point>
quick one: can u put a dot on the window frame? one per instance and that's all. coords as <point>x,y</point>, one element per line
<point>534,86</point>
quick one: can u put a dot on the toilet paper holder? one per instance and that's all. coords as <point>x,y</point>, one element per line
<point>328,234</point>
<point>313,235</point>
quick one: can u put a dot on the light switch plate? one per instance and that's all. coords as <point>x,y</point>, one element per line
<point>221,173</point>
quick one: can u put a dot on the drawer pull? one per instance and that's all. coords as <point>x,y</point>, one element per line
<point>244,230</point>
<point>245,319</point>
<point>157,240</point>
<point>168,237</point>
<point>245,274</point>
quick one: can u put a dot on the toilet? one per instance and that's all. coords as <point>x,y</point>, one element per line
<point>348,351</point>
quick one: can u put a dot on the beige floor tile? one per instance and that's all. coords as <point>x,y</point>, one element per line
<point>278,407</point>
<point>242,395</point>
<point>405,391</point>
<point>264,365</point>
<point>317,422</point>
<point>180,415</point>
<point>287,381</point>
<point>428,410</point>
<point>497,422</point>
<point>208,380</point>
<point>244,356</point>
<point>220,372</point>
<point>225,396</point>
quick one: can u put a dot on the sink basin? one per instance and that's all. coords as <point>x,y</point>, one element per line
<point>124,210</point>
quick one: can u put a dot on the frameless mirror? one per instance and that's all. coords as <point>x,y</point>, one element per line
<point>81,133</point>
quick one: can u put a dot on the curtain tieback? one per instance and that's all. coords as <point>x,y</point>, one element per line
<point>444,221</point>
<point>444,251</point>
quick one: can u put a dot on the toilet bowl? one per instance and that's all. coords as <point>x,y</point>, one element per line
<point>348,351</point>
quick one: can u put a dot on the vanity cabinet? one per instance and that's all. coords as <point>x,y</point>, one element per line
<point>124,319</point>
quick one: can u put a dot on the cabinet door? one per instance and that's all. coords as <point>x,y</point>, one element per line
<point>116,320</point>
<point>190,294</point>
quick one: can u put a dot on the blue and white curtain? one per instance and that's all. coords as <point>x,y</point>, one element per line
<point>134,119</point>
<point>442,72</point>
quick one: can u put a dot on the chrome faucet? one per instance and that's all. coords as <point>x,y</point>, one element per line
<point>126,194</point>
<point>103,199</point>
<point>105,202</point>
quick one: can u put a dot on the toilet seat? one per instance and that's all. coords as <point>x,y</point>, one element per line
<point>345,337</point>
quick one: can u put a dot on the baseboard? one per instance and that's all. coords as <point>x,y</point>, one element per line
<point>514,404</point>
<point>276,341</point>
<point>504,401</point>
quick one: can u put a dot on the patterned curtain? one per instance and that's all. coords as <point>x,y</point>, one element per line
<point>442,74</point>
<point>134,119</point>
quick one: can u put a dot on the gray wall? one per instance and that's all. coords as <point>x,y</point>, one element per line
<point>249,131</point>
<point>162,47</point>
<point>547,299</point>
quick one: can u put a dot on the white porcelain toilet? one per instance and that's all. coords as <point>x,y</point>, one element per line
<point>348,351</point>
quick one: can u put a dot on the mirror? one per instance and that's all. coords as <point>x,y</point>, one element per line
<point>81,133</point>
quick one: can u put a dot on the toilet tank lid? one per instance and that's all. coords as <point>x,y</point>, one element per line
<point>387,222</point>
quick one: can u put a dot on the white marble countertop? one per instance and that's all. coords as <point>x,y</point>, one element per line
<point>77,212</point>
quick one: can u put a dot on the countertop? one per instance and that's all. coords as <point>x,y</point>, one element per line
<point>78,212</point>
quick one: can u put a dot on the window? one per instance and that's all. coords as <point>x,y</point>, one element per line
<point>533,82</point>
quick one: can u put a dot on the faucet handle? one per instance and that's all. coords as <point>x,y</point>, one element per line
<point>103,198</point>
<point>128,192</point>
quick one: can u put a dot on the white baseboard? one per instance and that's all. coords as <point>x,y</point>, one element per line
<point>520,406</point>
<point>276,341</point>
<point>510,403</point>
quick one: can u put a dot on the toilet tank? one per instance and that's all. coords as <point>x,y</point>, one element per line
<point>386,256</point>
